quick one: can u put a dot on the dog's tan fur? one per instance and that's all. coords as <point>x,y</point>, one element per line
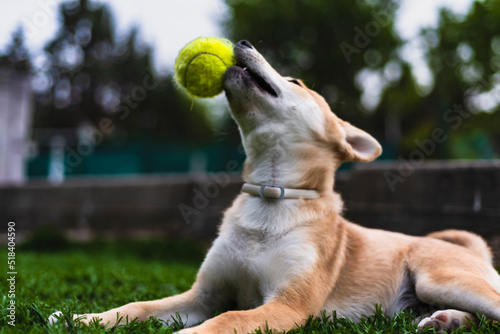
<point>277,262</point>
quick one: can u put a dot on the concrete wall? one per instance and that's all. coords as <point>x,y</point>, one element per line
<point>432,197</point>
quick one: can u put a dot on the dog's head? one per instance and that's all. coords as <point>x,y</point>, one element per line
<point>290,135</point>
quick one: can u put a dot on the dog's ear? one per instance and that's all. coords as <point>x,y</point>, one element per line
<point>359,145</point>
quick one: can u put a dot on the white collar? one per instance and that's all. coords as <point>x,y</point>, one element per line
<point>278,192</point>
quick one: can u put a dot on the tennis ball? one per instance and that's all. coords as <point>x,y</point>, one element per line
<point>201,64</point>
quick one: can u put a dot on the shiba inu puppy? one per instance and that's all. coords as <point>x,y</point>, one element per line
<point>284,251</point>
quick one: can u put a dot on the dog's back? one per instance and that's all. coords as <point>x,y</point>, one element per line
<point>466,239</point>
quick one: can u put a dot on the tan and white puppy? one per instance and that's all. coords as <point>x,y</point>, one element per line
<point>277,261</point>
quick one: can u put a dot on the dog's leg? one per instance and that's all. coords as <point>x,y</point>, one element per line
<point>275,315</point>
<point>448,320</point>
<point>191,306</point>
<point>455,278</point>
<point>460,290</point>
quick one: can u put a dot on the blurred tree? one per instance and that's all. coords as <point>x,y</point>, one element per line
<point>464,55</point>
<point>349,52</point>
<point>345,50</point>
<point>95,78</point>
<point>16,56</point>
<point>461,107</point>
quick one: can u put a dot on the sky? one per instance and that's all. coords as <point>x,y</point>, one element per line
<point>169,24</point>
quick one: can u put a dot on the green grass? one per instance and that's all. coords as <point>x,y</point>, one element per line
<point>79,278</point>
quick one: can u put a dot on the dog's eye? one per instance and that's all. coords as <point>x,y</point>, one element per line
<point>294,81</point>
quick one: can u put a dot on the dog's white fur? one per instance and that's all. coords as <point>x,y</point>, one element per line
<point>276,262</point>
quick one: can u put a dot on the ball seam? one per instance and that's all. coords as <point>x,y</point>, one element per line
<point>196,56</point>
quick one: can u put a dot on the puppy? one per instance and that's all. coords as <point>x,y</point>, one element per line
<point>284,252</point>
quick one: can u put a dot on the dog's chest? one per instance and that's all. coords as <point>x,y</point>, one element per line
<point>262,265</point>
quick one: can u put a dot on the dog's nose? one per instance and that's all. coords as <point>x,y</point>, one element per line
<point>245,43</point>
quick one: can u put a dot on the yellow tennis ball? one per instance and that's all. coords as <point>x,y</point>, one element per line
<point>201,64</point>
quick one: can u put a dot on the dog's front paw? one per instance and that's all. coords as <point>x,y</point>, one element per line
<point>447,320</point>
<point>54,317</point>
<point>83,318</point>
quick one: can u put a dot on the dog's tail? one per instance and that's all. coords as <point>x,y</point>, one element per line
<point>466,239</point>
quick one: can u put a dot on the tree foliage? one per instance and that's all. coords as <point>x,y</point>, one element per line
<point>351,54</point>
<point>326,43</point>
<point>465,60</point>
<point>17,56</point>
<point>463,56</point>
<point>348,51</point>
<point>93,75</point>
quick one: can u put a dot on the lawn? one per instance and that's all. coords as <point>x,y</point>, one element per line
<point>53,274</point>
